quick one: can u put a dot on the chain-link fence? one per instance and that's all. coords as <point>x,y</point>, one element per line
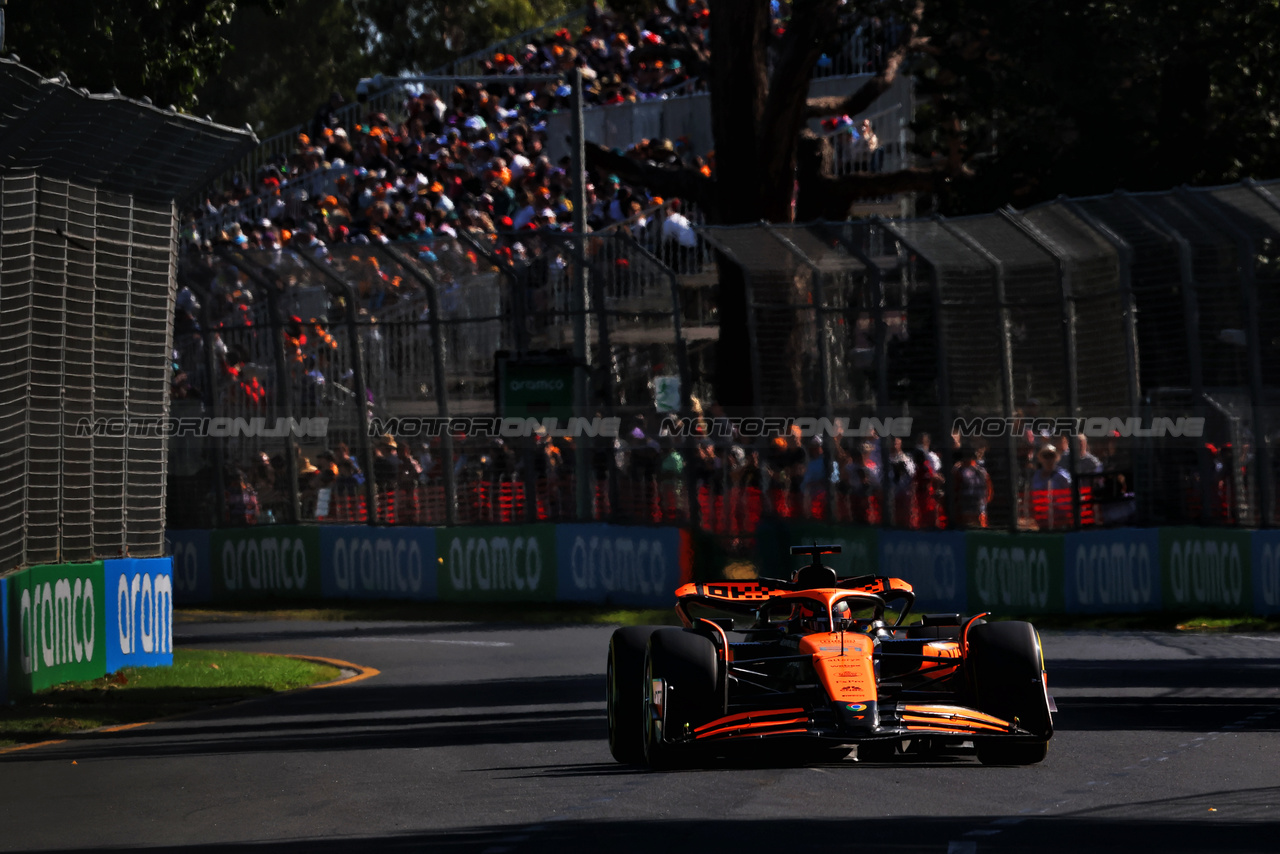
<point>361,385</point>
<point>1084,363</point>
<point>85,303</point>
<point>88,228</point>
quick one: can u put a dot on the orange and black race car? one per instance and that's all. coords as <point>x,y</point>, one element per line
<point>830,663</point>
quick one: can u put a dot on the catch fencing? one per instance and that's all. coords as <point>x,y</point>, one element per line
<point>1139,317</point>
<point>88,226</point>
<point>371,340</point>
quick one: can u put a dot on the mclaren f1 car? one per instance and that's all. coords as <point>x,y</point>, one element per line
<point>828,663</point>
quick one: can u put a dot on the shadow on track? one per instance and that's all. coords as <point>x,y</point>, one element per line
<point>1150,701</point>
<point>906,835</point>
<point>370,718</point>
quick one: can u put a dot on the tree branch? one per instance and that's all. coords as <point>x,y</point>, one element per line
<point>825,196</point>
<point>682,182</point>
<point>867,93</point>
<point>798,53</point>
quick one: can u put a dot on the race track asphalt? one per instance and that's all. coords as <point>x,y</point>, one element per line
<point>491,740</point>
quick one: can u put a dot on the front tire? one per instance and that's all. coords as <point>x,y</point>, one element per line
<point>1006,669</point>
<point>684,665</point>
<point>624,692</point>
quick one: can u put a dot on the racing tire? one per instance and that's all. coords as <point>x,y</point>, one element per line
<point>624,694</point>
<point>1006,669</point>
<point>687,666</point>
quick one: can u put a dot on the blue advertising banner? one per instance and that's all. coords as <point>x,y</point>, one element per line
<point>139,596</point>
<point>191,568</point>
<point>359,562</point>
<point>933,563</point>
<point>1266,572</point>
<point>618,564</point>
<point>1113,571</point>
<point>4,641</point>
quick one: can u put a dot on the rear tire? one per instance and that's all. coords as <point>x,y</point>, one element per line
<point>624,692</point>
<point>1006,669</point>
<point>688,666</point>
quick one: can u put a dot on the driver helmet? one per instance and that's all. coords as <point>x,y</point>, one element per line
<point>840,611</point>
<point>812,618</point>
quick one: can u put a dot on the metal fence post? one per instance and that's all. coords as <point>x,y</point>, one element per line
<point>358,377</point>
<point>438,376</point>
<point>1248,253</point>
<point>581,301</point>
<point>284,378</point>
<point>1006,359</point>
<point>211,400</point>
<point>1128,308</point>
<point>1071,379</point>
<point>519,292</point>
<point>946,413</point>
<point>824,368</point>
<point>682,366</point>
<point>519,305</point>
<point>1191,322</point>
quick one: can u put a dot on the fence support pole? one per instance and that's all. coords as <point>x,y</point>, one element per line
<point>581,303</point>
<point>1128,308</point>
<point>284,379</point>
<point>1071,378</point>
<point>1191,321</point>
<point>682,366</point>
<point>365,448</point>
<point>944,385</point>
<point>824,370</point>
<point>1247,259</point>
<point>438,377</point>
<point>519,293</point>
<point>211,401</point>
<point>1006,359</point>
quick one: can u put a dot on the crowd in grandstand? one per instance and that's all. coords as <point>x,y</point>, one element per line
<point>646,476</point>
<point>471,158</point>
<point>472,162</point>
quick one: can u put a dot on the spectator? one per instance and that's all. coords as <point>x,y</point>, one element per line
<point>1088,463</point>
<point>1048,475</point>
<point>973,489</point>
<point>242,501</point>
<point>813,486</point>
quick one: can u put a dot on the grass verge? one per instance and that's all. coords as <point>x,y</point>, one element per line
<point>197,679</point>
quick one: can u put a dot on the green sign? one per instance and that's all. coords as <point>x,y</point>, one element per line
<point>858,547</point>
<point>1206,569</point>
<point>58,618</point>
<point>1014,574</point>
<point>535,390</point>
<point>507,563</point>
<point>253,563</point>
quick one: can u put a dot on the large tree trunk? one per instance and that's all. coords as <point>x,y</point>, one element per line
<point>738,91</point>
